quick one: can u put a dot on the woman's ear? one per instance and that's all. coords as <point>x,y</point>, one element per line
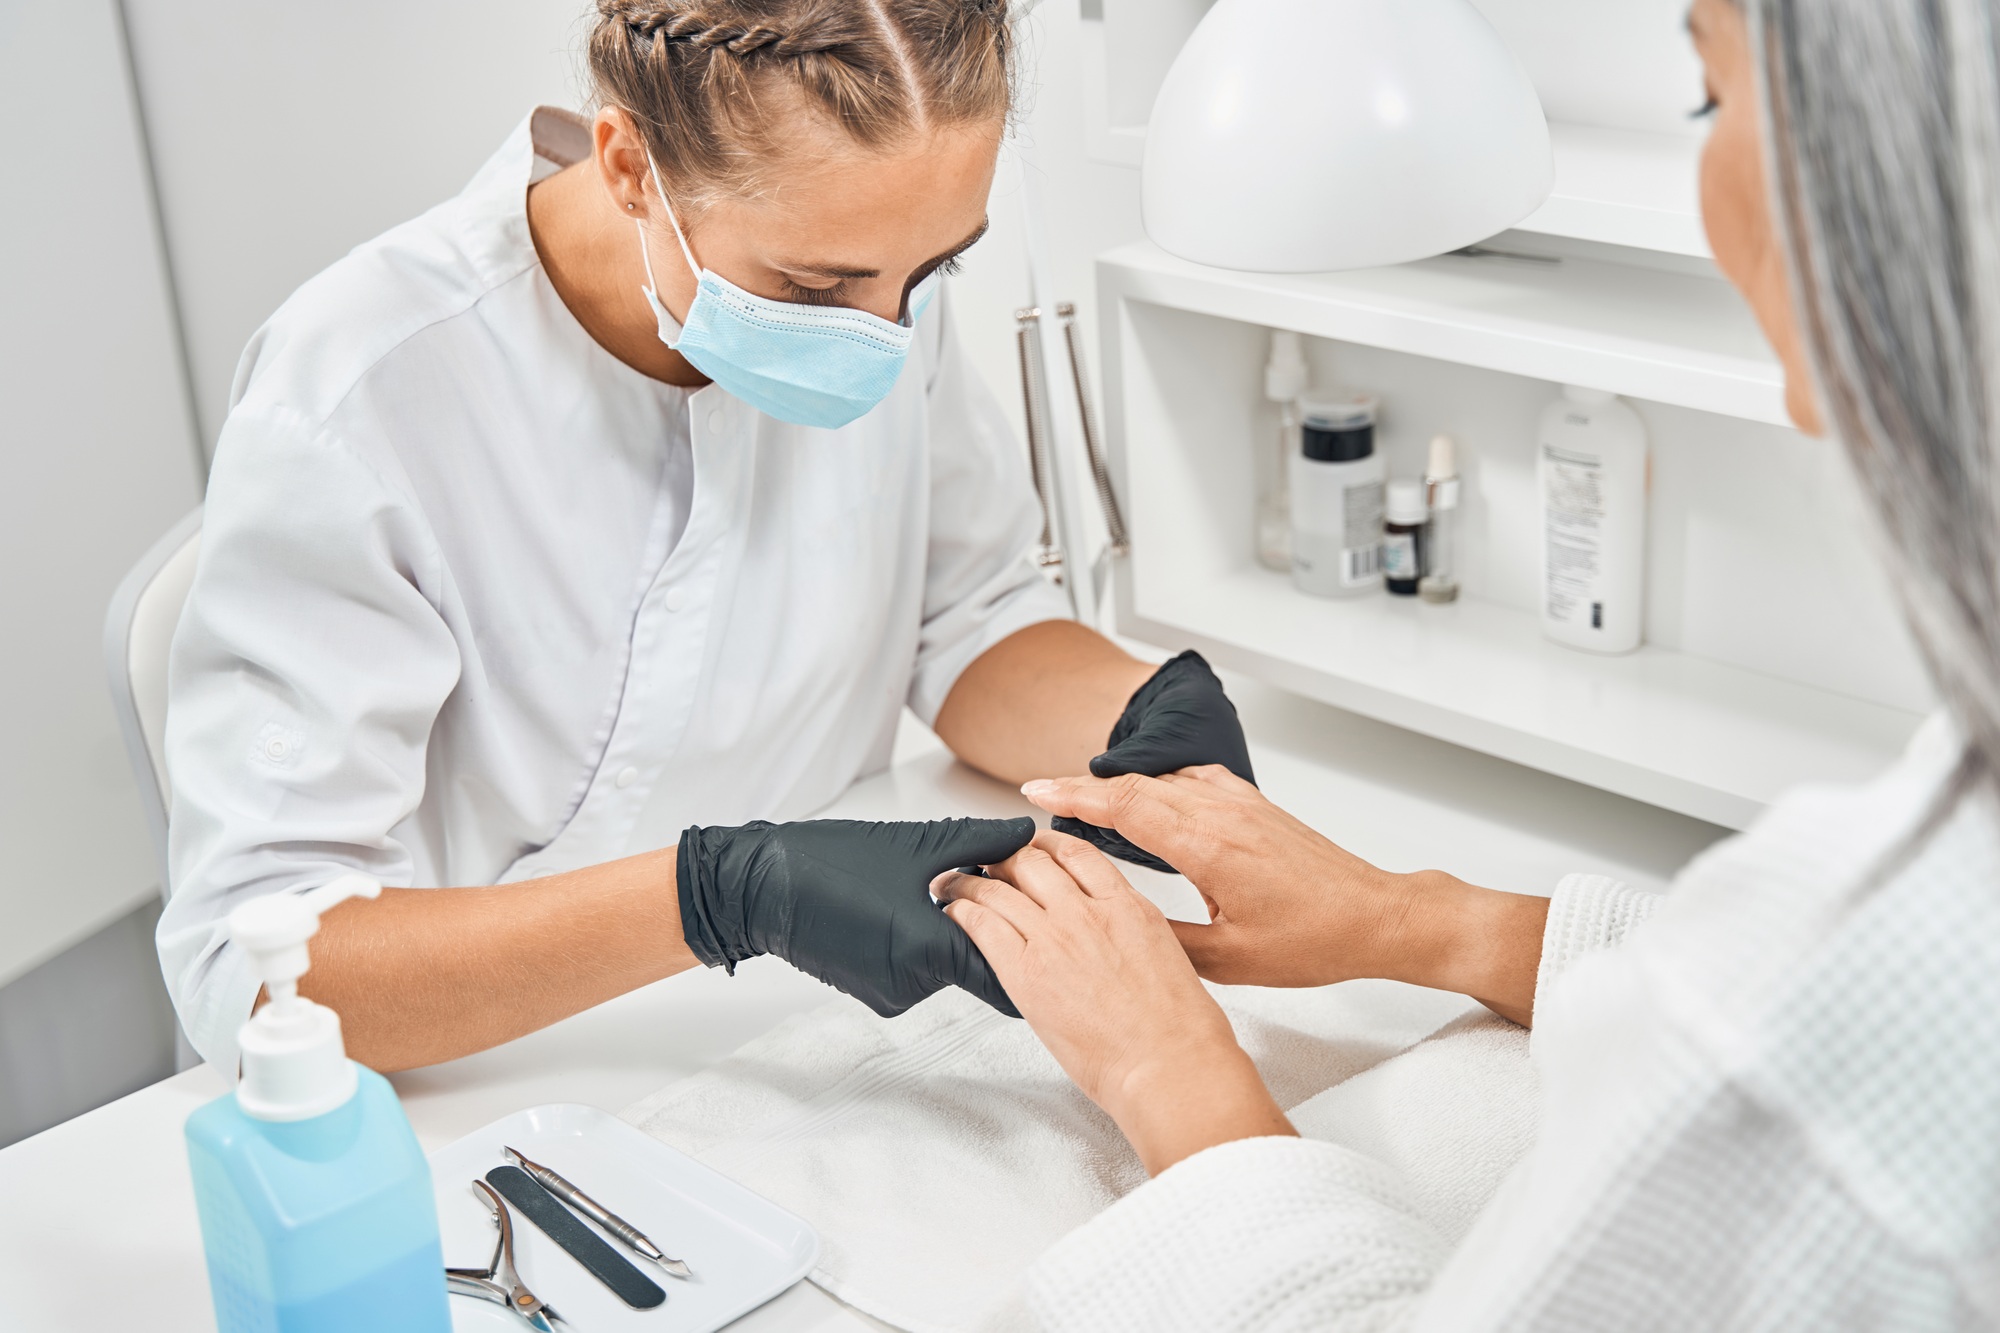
<point>621,162</point>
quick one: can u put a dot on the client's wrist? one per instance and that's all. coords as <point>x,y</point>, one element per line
<point>1482,943</point>
<point>1173,1103</point>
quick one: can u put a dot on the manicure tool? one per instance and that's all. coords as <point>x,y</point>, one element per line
<point>624,1231</point>
<point>508,1290</point>
<point>584,1245</point>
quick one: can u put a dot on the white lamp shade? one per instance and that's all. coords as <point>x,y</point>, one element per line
<point>1299,136</point>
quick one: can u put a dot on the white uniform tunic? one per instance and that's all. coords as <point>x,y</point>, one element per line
<point>477,602</point>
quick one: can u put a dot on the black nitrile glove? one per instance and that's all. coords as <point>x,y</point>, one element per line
<point>845,900</point>
<point>1178,719</point>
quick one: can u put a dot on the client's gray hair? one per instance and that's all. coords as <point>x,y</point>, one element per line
<point>1882,122</point>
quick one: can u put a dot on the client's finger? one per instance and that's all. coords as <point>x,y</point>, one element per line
<point>1036,874</point>
<point>1146,810</point>
<point>999,944</point>
<point>999,897</point>
<point>1089,867</point>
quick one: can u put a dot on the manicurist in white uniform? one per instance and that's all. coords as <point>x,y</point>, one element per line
<point>623,500</point>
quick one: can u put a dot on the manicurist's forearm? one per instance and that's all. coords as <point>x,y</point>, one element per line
<point>1477,942</point>
<point>423,975</point>
<point>1041,702</point>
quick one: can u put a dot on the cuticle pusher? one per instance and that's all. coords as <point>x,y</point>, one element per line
<point>627,1234</point>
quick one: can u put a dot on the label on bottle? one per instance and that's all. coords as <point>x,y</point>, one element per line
<point>1574,503</point>
<point>1361,526</point>
<point>1399,556</point>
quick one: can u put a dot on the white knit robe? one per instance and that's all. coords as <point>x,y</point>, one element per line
<point>1777,1106</point>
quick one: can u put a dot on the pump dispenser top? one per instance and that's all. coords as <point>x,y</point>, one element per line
<point>1285,373</point>
<point>295,1064</point>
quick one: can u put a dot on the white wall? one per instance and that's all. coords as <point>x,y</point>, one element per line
<point>285,134</point>
<point>96,461</point>
<point>1627,64</point>
<point>1147,35</point>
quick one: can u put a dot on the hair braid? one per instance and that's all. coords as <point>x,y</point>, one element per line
<point>718,87</point>
<point>677,21</point>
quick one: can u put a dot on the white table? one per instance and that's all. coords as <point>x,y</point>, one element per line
<point>97,1220</point>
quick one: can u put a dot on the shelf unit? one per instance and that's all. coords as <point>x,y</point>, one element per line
<point>1673,730</point>
<point>1183,350</point>
<point>1641,332</point>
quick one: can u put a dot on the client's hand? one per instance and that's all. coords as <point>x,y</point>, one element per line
<point>1178,718</point>
<point>1290,908</point>
<point>845,900</point>
<point>1099,976</point>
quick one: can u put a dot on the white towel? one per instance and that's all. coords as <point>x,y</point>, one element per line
<point>1453,1113</point>
<point>941,1152</point>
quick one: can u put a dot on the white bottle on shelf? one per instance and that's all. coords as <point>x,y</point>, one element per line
<point>1337,497</point>
<point>1441,488</point>
<point>1285,376</point>
<point>1592,470</point>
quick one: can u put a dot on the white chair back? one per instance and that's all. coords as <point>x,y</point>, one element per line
<point>138,630</point>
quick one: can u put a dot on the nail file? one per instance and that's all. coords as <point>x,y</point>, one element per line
<point>584,1245</point>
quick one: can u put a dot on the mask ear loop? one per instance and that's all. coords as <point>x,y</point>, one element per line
<point>646,258</point>
<point>672,221</point>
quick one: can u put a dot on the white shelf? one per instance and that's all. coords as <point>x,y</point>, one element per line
<point>1666,337</point>
<point>1623,187</point>
<point>1692,735</point>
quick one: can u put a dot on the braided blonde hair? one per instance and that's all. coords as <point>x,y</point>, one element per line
<point>719,88</point>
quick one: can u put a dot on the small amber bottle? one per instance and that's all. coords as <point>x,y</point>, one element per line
<point>1403,538</point>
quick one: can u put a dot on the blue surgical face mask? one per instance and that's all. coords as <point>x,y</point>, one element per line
<point>806,364</point>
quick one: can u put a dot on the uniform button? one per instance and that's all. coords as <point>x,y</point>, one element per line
<point>716,419</point>
<point>677,598</point>
<point>277,747</point>
<point>626,777</point>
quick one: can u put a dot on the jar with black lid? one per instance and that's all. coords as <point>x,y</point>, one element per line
<point>1337,497</point>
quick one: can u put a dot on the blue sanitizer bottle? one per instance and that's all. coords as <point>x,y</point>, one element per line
<point>315,1199</point>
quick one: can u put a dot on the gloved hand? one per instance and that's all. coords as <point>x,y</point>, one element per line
<point>1178,719</point>
<point>845,900</point>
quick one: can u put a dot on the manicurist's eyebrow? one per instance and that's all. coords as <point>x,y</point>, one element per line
<point>844,271</point>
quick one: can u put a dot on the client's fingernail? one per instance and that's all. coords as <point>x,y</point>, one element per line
<point>1038,788</point>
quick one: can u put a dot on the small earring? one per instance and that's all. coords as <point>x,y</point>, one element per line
<point>631,208</point>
